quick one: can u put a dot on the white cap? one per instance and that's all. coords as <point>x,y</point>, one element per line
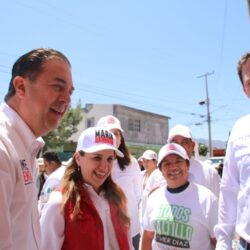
<point>140,158</point>
<point>95,139</point>
<point>40,161</point>
<point>179,130</point>
<point>109,122</point>
<point>172,148</point>
<point>149,155</point>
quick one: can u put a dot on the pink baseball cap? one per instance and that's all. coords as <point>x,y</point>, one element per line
<point>149,155</point>
<point>95,139</point>
<point>109,122</point>
<point>172,148</point>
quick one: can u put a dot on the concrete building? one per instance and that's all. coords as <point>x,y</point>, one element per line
<point>142,129</point>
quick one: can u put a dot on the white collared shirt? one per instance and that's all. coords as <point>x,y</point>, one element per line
<point>19,227</point>
<point>102,207</point>
<point>234,202</point>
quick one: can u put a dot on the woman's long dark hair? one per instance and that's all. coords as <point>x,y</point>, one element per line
<point>126,160</point>
<point>72,184</point>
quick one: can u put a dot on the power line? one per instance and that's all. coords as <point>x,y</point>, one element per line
<point>3,66</point>
<point>208,113</point>
<point>3,71</point>
<point>137,98</point>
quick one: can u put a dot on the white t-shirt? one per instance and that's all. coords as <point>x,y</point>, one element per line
<point>130,180</point>
<point>181,219</point>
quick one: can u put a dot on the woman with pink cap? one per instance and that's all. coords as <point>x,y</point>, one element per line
<point>89,211</point>
<point>126,173</point>
<point>181,214</point>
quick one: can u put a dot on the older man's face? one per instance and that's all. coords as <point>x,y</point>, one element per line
<point>46,99</point>
<point>186,143</point>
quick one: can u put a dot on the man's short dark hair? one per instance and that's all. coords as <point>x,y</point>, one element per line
<point>30,65</point>
<point>51,156</point>
<point>241,62</point>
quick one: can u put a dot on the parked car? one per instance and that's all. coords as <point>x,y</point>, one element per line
<point>217,162</point>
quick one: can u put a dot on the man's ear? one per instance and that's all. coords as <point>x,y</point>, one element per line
<point>193,144</point>
<point>19,84</point>
<point>245,91</point>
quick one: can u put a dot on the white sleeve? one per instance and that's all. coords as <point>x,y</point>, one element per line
<point>146,220</point>
<point>151,183</point>
<point>50,185</point>
<point>225,228</point>
<point>213,178</point>
<point>137,180</point>
<point>216,182</point>
<point>212,213</point>
<point>7,181</point>
<point>52,223</point>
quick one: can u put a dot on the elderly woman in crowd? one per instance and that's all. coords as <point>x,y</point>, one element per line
<point>152,177</point>
<point>181,214</point>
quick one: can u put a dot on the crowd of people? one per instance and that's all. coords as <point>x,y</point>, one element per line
<point>102,199</point>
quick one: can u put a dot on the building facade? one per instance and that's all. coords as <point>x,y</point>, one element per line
<point>142,129</point>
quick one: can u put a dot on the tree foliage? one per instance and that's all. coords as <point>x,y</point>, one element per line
<point>67,127</point>
<point>203,149</point>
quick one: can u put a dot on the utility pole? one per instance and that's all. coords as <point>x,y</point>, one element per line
<point>208,114</point>
<point>248,5</point>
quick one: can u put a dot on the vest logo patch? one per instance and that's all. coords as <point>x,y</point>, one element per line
<point>27,176</point>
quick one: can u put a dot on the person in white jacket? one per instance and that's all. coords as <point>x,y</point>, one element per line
<point>55,171</point>
<point>234,203</point>
<point>200,172</point>
<point>126,173</point>
<point>37,98</point>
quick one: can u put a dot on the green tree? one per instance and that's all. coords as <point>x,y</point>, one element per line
<point>67,127</point>
<point>203,149</point>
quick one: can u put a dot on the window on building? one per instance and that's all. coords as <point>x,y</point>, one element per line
<point>134,125</point>
<point>90,122</point>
